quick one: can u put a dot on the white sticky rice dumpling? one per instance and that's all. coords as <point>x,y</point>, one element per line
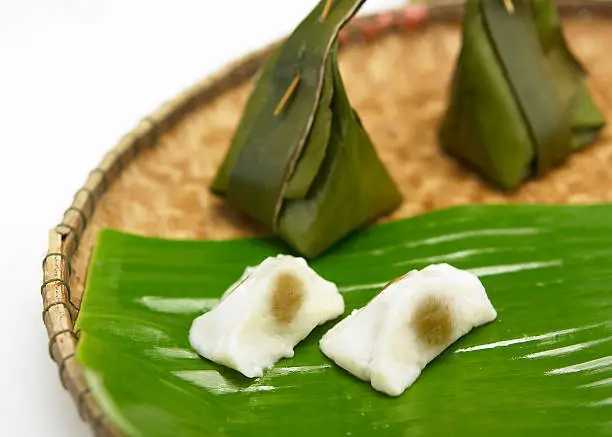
<point>410,322</point>
<point>261,317</point>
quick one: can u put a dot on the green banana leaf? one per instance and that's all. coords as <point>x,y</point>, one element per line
<point>290,169</point>
<point>518,100</point>
<point>544,367</point>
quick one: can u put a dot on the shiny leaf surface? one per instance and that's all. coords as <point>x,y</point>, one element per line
<point>544,367</point>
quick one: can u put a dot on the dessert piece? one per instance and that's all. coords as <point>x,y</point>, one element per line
<point>301,162</point>
<point>265,314</point>
<point>409,323</point>
<point>518,103</point>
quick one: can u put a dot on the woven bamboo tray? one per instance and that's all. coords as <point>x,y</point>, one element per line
<point>396,66</point>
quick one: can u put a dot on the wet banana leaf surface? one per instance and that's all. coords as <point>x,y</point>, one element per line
<point>543,367</point>
<point>300,148</point>
<point>518,105</point>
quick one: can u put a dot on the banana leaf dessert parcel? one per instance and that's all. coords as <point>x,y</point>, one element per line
<point>543,367</point>
<point>519,105</point>
<point>300,162</point>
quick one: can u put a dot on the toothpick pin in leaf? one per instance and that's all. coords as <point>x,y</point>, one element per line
<point>301,162</point>
<point>518,101</point>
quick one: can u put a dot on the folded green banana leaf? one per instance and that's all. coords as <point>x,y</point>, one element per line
<point>301,162</point>
<point>519,104</point>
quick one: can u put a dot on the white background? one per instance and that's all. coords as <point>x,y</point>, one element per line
<point>75,75</point>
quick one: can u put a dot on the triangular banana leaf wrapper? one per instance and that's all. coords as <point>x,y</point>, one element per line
<point>309,171</point>
<point>519,104</point>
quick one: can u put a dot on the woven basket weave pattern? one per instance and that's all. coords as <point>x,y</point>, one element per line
<point>65,265</point>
